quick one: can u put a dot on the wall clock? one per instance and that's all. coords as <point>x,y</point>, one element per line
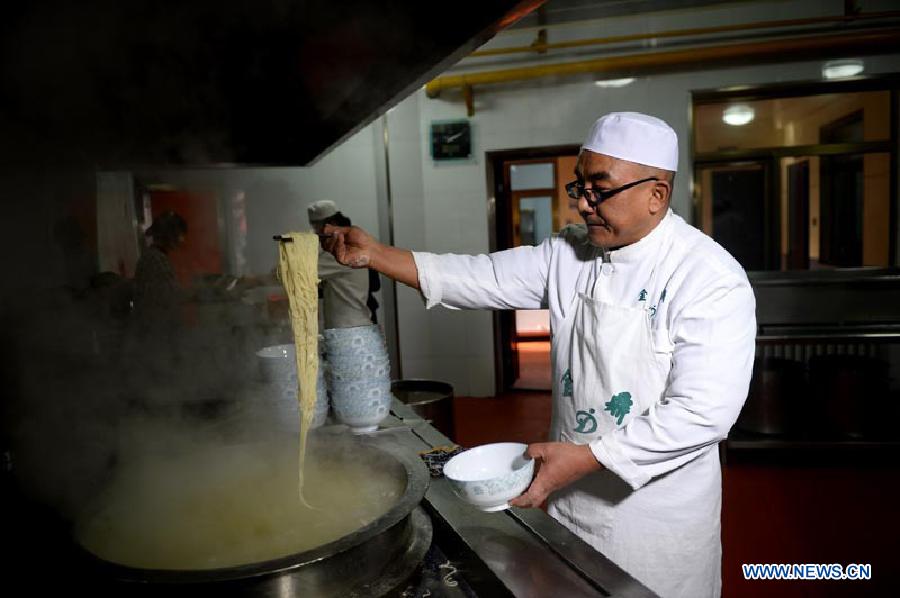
<point>451,140</point>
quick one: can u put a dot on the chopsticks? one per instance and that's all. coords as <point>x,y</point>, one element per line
<point>283,239</point>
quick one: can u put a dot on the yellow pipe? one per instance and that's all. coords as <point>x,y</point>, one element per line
<point>877,41</point>
<point>617,39</point>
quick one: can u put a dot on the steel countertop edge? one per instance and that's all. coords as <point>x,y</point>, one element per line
<point>525,551</point>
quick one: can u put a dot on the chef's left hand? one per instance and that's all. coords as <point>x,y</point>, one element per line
<point>558,465</point>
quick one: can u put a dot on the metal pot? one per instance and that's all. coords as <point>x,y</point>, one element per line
<point>430,399</point>
<point>370,561</point>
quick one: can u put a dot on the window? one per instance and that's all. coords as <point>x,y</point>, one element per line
<point>797,182</point>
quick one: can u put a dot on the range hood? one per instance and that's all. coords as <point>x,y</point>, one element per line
<point>202,82</point>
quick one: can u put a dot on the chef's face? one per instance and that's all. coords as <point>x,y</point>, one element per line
<point>629,215</point>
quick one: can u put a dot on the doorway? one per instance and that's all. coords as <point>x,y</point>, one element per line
<point>798,215</point>
<point>737,208</point>
<point>531,204</point>
<point>841,232</point>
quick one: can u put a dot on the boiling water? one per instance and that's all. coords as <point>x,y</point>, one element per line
<point>207,513</point>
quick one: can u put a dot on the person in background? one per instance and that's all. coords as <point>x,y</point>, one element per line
<point>152,354</point>
<point>654,331</point>
<point>157,295</point>
<point>346,292</point>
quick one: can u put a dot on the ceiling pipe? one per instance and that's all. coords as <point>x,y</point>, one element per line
<point>618,39</point>
<point>522,9</point>
<point>818,47</point>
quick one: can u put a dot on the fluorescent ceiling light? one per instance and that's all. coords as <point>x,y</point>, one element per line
<point>615,82</point>
<point>841,69</point>
<point>738,116</point>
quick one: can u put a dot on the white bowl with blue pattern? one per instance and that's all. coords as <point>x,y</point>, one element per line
<point>278,369</point>
<point>364,371</point>
<point>490,475</point>
<point>362,391</point>
<point>353,345</point>
<point>362,412</point>
<point>369,332</point>
<point>277,363</point>
<point>344,360</point>
<point>340,342</point>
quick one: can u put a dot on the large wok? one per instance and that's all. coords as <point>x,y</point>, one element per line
<point>370,561</point>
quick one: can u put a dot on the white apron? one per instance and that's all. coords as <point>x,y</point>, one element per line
<point>607,372</point>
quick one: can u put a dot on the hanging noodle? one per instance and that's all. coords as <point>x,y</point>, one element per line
<point>298,270</point>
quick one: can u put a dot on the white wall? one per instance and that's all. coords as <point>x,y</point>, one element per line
<point>451,214</point>
<point>276,198</point>
<point>406,145</point>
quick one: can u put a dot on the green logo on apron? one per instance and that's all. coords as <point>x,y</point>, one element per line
<point>662,298</point>
<point>567,384</point>
<point>586,422</point>
<point>618,406</point>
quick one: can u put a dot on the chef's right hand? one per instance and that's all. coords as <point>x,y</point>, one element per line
<point>350,245</point>
<point>558,464</point>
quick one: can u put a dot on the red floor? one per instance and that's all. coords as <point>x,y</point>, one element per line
<point>770,514</point>
<point>516,417</point>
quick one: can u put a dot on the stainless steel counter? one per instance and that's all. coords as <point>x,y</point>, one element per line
<point>519,552</point>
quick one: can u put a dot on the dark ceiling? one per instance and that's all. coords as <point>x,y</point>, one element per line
<point>198,82</point>
<point>558,12</point>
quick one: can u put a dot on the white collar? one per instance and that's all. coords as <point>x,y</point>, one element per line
<point>640,249</point>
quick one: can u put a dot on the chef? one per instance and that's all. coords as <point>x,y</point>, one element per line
<point>346,297</point>
<point>653,342</point>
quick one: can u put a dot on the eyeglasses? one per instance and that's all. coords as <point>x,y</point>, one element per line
<point>594,196</point>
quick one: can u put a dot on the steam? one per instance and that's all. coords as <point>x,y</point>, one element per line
<point>103,415</point>
<point>92,398</point>
<point>233,505</point>
<point>85,391</point>
<point>86,394</point>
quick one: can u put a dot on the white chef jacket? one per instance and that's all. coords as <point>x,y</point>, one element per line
<point>703,331</point>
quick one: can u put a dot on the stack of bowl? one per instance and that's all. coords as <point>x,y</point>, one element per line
<point>278,368</point>
<point>359,376</point>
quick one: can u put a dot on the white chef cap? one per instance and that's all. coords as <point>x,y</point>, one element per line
<point>634,137</point>
<point>322,209</point>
